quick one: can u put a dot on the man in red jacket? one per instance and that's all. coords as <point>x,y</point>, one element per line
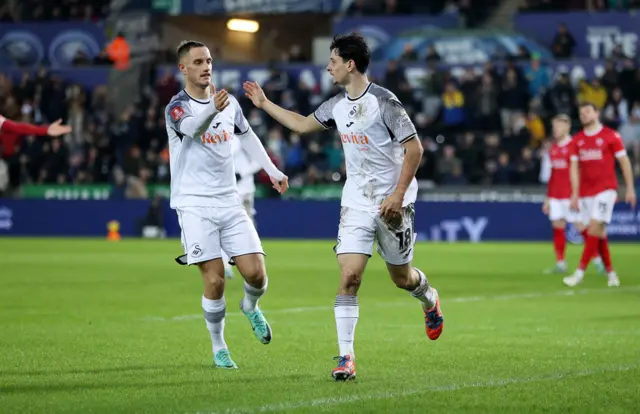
<point>10,132</point>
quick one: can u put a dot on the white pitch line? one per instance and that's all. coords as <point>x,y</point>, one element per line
<point>462,299</point>
<point>334,401</point>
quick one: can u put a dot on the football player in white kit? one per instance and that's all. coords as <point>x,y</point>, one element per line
<point>201,124</point>
<point>382,153</point>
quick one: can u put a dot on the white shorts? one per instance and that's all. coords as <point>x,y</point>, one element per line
<point>560,209</point>
<point>360,229</point>
<point>598,207</point>
<point>206,231</point>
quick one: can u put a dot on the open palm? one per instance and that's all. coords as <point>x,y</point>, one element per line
<point>254,92</point>
<point>56,129</point>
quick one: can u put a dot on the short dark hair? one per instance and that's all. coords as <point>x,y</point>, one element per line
<point>591,104</point>
<point>352,47</point>
<point>185,47</point>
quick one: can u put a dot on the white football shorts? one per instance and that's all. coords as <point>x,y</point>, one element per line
<point>360,229</point>
<point>560,209</point>
<point>208,230</point>
<point>599,207</point>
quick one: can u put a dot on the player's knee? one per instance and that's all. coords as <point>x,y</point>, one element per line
<point>401,276</point>
<point>596,228</point>
<point>253,270</point>
<point>350,279</point>
<point>212,275</point>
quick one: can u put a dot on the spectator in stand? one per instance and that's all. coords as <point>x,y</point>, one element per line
<point>563,43</point>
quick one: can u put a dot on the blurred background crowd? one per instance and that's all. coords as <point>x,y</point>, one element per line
<point>486,124</point>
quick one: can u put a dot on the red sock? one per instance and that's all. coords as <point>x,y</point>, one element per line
<point>591,246</point>
<point>603,248</point>
<point>584,233</point>
<point>559,243</point>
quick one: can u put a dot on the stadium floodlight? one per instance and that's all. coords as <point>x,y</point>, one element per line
<point>242,25</point>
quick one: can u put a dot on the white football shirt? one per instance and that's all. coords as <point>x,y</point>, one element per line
<point>202,169</point>
<point>372,129</point>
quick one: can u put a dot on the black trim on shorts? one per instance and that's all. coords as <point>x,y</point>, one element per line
<point>340,254</point>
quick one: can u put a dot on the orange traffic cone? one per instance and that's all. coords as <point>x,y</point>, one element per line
<point>113,233</point>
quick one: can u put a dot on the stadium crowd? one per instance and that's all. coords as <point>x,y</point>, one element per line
<point>486,128</point>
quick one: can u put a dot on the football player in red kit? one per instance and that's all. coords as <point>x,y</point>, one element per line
<point>557,204</point>
<point>594,151</point>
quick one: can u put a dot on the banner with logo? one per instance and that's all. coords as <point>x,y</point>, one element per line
<point>446,221</point>
<point>316,76</point>
<point>596,34</point>
<point>50,44</point>
<point>388,38</point>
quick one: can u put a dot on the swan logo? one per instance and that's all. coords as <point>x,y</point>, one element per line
<point>65,47</point>
<point>21,48</point>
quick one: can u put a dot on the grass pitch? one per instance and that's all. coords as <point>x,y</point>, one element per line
<point>88,326</point>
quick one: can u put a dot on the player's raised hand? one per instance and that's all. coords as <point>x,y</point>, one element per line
<point>220,99</point>
<point>281,186</point>
<point>254,92</point>
<point>392,206</point>
<point>56,129</point>
<point>630,197</point>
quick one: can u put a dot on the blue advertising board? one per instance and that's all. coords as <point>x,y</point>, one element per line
<point>596,34</point>
<point>51,44</point>
<point>445,221</point>
<point>388,36</point>
<point>259,6</point>
<point>316,76</point>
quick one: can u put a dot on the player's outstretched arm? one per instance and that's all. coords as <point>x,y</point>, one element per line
<point>292,120</point>
<point>54,130</point>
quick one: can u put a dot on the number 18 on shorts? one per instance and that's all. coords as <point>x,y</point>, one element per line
<point>360,229</point>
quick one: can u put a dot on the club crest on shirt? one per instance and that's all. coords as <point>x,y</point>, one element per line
<point>176,113</point>
<point>599,142</point>
<point>358,111</point>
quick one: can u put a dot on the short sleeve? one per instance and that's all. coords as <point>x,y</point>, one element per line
<point>176,112</point>
<point>397,121</point>
<point>324,114</point>
<point>616,144</point>
<point>240,124</point>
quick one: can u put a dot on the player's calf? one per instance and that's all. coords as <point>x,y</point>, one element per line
<point>254,272</point>
<point>414,280</point>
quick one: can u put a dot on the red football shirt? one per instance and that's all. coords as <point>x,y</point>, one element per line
<point>596,153</point>
<point>559,185</point>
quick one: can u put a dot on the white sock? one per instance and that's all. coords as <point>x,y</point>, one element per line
<point>579,273</point>
<point>252,295</point>
<point>214,313</point>
<point>347,311</point>
<point>597,260</point>
<point>562,264</point>
<point>423,292</point>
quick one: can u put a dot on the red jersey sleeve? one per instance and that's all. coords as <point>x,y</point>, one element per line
<point>21,128</point>
<point>616,144</point>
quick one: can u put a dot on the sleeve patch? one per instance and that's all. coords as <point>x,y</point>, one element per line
<point>176,113</point>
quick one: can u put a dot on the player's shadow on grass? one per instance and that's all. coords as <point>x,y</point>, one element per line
<point>122,369</point>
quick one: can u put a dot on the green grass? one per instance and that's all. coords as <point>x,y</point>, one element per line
<point>88,326</point>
